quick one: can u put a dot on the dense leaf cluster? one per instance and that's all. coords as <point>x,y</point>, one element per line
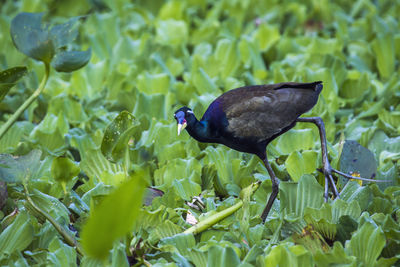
<point>67,156</point>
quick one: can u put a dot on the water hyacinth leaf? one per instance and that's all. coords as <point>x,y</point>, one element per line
<point>117,136</point>
<point>337,255</point>
<point>37,41</point>
<point>9,77</point>
<point>298,164</point>
<point>358,160</point>
<point>353,191</point>
<point>172,32</point>
<point>286,255</point>
<point>383,47</point>
<point>311,237</point>
<point>64,169</point>
<point>112,218</point>
<point>345,227</point>
<point>366,244</point>
<point>31,37</point>
<point>295,198</point>
<point>60,254</point>
<point>16,169</point>
<point>179,242</point>
<point>17,236</point>
<point>223,257</point>
<point>228,57</point>
<point>68,61</point>
<point>63,34</point>
<point>294,139</point>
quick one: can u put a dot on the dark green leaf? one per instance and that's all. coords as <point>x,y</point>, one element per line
<point>357,159</point>
<point>63,34</point>
<point>68,61</point>
<point>8,78</point>
<point>31,37</point>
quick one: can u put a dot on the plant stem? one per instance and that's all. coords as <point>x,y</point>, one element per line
<point>6,126</point>
<point>210,221</point>
<point>215,218</point>
<point>69,239</point>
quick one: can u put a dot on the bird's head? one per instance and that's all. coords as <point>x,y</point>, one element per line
<point>183,117</point>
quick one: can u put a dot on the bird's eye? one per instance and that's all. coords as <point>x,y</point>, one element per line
<point>189,111</point>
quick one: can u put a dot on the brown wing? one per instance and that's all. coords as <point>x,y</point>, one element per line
<point>264,111</point>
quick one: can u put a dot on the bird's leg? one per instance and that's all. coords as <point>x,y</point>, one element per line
<point>275,189</point>
<point>327,169</point>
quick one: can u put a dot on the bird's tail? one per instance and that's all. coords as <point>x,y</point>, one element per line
<point>318,86</point>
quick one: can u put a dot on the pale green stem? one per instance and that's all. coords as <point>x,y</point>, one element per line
<point>6,126</point>
<point>217,217</point>
<point>213,219</point>
<point>69,239</point>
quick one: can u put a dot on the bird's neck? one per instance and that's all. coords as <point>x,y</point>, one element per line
<point>200,130</point>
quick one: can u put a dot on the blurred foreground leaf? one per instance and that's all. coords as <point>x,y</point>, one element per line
<point>112,218</point>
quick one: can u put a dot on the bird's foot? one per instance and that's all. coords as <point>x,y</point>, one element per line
<point>328,171</point>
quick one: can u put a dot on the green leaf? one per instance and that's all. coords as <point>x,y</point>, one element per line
<point>337,255</point>
<point>298,164</point>
<point>345,228</point>
<point>113,218</point>
<point>11,141</point>
<point>63,34</point>
<point>60,254</point>
<point>186,189</point>
<point>266,36</point>
<point>353,191</point>
<point>295,140</point>
<point>153,83</point>
<point>38,42</point>
<point>9,77</point>
<point>31,37</point>
<point>64,169</point>
<point>17,169</point>
<point>226,54</point>
<point>295,198</point>
<point>366,244</point>
<point>17,236</point>
<point>117,136</point>
<point>180,242</point>
<point>287,255</point>
<point>223,257</point>
<point>383,48</point>
<point>172,32</point>
<point>68,61</point>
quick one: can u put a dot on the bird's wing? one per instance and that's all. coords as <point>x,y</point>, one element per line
<point>265,111</point>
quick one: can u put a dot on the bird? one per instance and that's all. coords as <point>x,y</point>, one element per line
<point>248,118</point>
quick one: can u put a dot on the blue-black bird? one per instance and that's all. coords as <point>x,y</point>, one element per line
<point>248,118</point>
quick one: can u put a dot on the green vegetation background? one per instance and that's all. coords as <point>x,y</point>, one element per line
<point>151,57</point>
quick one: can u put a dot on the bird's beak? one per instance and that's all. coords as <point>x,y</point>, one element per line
<point>181,127</point>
